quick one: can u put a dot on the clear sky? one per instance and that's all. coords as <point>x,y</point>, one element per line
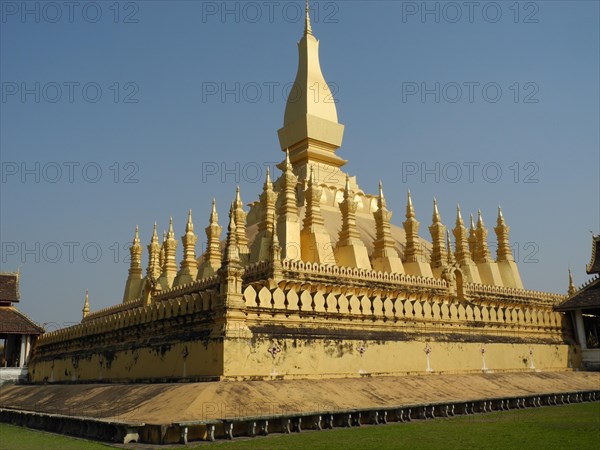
<point>117,114</point>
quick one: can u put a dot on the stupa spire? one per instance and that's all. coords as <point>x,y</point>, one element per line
<point>133,284</point>
<point>154,269</point>
<point>307,26</point>
<point>212,256</point>
<point>232,252</point>
<point>240,226</point>
<point>482,252</point>
<point>385,256</point>
<point>572,289</point>
<point>502,230</point>
<point>415,262</point>
<point>315,241</point>
<point>311,130</point>
<point>504,256</point>
<point>410,210</point>
<point>463,255</point>
<point>472,238</point>
<point>86,305</point>
<point>189,267</point>
<point>438,235</point>
<point>413,251</point>
<point>266,226</point>
<point>169,261</point>
<point>350,250</point>
<point>288,221</point>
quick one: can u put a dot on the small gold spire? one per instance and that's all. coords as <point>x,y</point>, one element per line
<point>268,179</point>
<point>136,238</point>
<point>436,213</point>
<point>500,216</point>
<point>572,289</point>
<point>288,164</point>
<point>480,223</point>
<point>504,252</point>
<point>459,219</point>
<point>212,255</point>
<point>154,234</point>
<point>232,254</point>
<point>86,305</point>
<point>410,210</point>
<point>307,26</point>
<point>214,216</point>
<point>347,187</point>
<point>190,225</point>
<point>381,203</point>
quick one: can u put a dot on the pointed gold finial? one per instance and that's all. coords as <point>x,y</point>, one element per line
<point>436,213</point>
<point>480,223</point>
<point>572,289</point>
<point>410,210</point>
<point>171,233</point>
<point>347,187</point>
<point>86,305</point>
<point>214,217</point>
<point>288,164</point>
<point>136,238</point>
<point>190,224</point>
<point>381,203</point>
<point>459,219</point>
<point>307,26</point>
<point>154,234</point>
<point>232,225</point>
<point>268,180</point>
<point>472,225</point>
<point>500,216</point>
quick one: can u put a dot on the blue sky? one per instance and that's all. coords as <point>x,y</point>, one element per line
<point>134,129</point>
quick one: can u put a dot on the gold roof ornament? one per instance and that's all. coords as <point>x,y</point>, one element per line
<point>86,305</point>
<point>572,289</point>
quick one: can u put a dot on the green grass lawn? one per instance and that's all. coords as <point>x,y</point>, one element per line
<point>563,427</point>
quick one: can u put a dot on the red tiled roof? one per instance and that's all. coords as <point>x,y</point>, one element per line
<point>12,321</point>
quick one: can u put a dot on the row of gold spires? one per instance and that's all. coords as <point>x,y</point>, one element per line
<point>162,268</point>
